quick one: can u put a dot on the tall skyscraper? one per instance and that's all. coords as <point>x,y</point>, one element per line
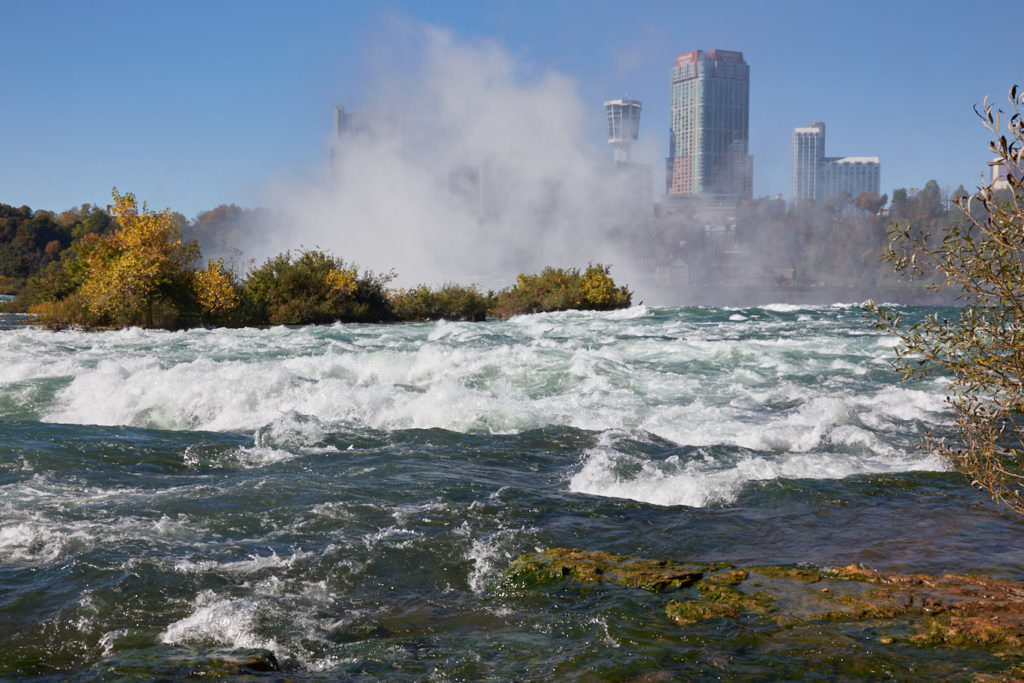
<point>818,177</point>
<point>709,127</point>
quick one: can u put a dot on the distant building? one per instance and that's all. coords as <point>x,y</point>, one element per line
<point>709,127</point>
<point>1000,172</point>
<point>818,177</point>
<point>853,175</point>
<point>347,124</point>
<point>632,182</point>
<point>809,161</point>
<point>623,119</point>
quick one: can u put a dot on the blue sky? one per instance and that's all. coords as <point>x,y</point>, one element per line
<point>194,104</point>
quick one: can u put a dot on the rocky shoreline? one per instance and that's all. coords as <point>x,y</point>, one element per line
<point>918,610</point>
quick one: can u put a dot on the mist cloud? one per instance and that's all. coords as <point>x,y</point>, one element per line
<point>471,169</point>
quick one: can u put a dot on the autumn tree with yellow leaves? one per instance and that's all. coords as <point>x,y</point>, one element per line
<point>140,274</point>
<point>216,290</point>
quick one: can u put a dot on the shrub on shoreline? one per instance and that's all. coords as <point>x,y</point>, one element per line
<point>560,289</point>
<point>312,288</point>
<point>143,274</point>
<point>450,302</point>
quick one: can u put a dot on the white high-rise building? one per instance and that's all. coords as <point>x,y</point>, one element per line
<point>808,161</point>
<point>853,175</point>
<point>818,177</point>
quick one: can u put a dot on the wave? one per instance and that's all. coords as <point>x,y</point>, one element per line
<point>717,476</point>
<point>695,377</point>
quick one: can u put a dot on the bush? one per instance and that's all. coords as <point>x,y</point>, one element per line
<point>451,302</point>
<point>65,312</point>
<point>560,289</point>
<point>216,292</point>
<point>313,288</point>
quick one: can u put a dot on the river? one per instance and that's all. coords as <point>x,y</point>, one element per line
<point>347,496</point>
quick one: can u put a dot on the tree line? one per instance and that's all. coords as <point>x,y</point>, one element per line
<point>134,267</point>
<point>839,241</point>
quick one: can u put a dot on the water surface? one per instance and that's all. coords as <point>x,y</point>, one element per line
<point>346,496</point>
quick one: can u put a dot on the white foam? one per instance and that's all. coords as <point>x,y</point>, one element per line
<point>252,564</point>
<point>768,385</point>
<point>707,481</point>
<point>631,313</point>
<point>784,308</point>
<point>489,554</point>
<point>221,622</point>
<point>34,543</point>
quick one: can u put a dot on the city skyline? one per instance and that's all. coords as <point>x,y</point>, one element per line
<point>193,105</point>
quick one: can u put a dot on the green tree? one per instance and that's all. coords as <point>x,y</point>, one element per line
<point>313,288</point>
<point>929,201</point>
<point>450,302</point>
<point>982,349</point>
<point>898,209</point>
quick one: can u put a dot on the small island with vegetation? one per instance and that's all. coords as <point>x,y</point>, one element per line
<point>135,269</point>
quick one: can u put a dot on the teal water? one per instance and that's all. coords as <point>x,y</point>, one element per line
<point>346,496</point>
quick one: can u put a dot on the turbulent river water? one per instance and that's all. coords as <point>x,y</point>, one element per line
<point>347,496</point>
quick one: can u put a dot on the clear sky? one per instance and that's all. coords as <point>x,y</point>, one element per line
<point>195,104</point>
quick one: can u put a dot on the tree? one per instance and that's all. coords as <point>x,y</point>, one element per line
<point>313,288</point>
<point>929,200</point>
<point>870,202</point>
<point>138,275</point>
<point>216,291</point>
<point>982,350</point>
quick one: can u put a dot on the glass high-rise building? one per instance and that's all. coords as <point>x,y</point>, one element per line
<point>709,127</point>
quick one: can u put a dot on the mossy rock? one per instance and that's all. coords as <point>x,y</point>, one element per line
<point>952,611</point>
<point>684,612</point>
<point>794,573</point>
<point>557,564</point>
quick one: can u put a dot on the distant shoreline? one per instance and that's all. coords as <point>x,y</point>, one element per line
<point>750,295</point>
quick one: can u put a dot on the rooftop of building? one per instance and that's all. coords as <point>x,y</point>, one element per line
<point>854,160</point>
<point>624,102</point>
<point>716,55</point>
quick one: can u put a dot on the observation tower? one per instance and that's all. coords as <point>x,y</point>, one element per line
<point>623,118</point>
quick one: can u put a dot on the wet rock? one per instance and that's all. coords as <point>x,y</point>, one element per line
<point>236,662</point>
<point>954,611</point>
<point>591,567</point>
